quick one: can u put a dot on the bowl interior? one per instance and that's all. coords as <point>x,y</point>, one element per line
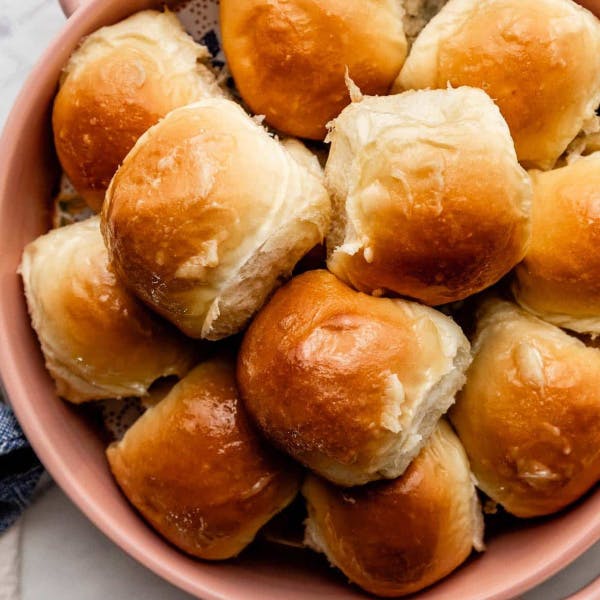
<point>72,449</point>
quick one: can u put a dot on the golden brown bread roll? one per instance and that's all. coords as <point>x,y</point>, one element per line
<point>559,280</point>
<point>208,212</point>
<point>396,537</point>
<point>538,59</point>
<point>120,81</point>
<point>195,468</point>
<point>529,414</point>
<point>429,200</point>
<point>289,57</point>
<point>98,340</point>
<point>351,386</point>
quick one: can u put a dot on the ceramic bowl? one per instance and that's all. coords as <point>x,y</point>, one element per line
<point>518,556</point>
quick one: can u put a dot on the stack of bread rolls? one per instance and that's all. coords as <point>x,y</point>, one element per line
<point>120,81</point>
<point>337,383</point>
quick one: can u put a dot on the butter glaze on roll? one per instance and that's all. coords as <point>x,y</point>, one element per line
<point>559,280</point>
<point>120,81</point>
<point>349,385</point>
<point>397,537</point>
<point>98,340</point>
<point>429,201</point>
<point>195,468</point>
<point>529,414</point>
<point>208,213</point>
<point>538,59</point>
<point>289,57</point>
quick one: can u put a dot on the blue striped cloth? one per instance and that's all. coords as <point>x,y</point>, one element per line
<point>20,469</point>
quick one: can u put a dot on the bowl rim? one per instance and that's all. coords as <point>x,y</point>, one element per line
<point>14,381</point>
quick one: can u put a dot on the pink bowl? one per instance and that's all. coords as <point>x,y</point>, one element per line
<point>72,450</point>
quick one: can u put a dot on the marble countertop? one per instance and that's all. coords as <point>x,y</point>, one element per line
<point>63,555</point>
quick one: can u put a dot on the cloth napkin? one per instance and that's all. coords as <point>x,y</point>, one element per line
<point>20,470</point>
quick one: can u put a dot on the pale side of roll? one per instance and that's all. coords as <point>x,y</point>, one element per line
<point>397,537</point>
<point>586,143</point>
<point>98,340</point>
<point>121,80</point>
<point>529,414</point>
<point>559,280</point>
<point>429,201</point>
<point>349,385</point>
<point>539,60</point>
<point>208,213</point>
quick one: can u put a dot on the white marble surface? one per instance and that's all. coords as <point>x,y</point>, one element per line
<point>63,555</point>
<point>26,28</point>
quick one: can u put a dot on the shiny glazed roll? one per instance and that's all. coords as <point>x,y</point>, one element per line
<point>120,81</point>
<point>429,200</point>
<point>289,57</point>
<point>559,280</point>
<point>538,59</point>
<point>98,340</point>
<point>208,212</point>
<point>529,414</point>
<point>197,471</point>
<point>396,537</point>
<point>349,385</point>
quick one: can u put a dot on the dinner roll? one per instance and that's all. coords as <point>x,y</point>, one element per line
<point>529,414</point>
<point>559,280</point>
<point>197,471</point>
<point>98,340</point>
<point>396,537</point>
<point>289,58</point>
<point>538,59</point>
<point>208,212</point>
<point>351,386</point>
<point>120,81</point>
<point>429,199</point>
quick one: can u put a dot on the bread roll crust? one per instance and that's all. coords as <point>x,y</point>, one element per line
<point>396,537</point>
<point>540,62</point>
<point>98,340</point>
<point>559,280</point>
<point>429,199</point>
<point>195,468</point>
<point>120,81</point>
<point>207,213</point>
<point>349,385</point>
<point>529,414</point>
<point>288,58</point>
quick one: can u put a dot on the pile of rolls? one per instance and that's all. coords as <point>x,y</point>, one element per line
<point>337,379</point>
